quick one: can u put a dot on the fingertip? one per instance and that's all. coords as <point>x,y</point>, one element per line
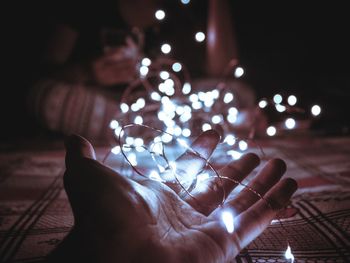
<point>252,157</point>
<point>290,184</point>
<point>79,147</point>
<point>280,164</point>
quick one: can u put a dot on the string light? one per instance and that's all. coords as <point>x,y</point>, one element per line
<point>262,104</point>
<point>277,99</point>
<point>166,48</point>
<point>144,70</point>
<point>290,123</point>
<point>239,71</point>
<point>176,67</point>
<point>146,62</point>
<point>168,170</point>
<point>271,131</point>
<point>164,75</point>
<point>160,14</point>
<point>114,124</point>
<point>176,113</point>
<point>315,110</point>
<point>200,36</point>
<point>292,100</point>
<point>289,255</point>
<point>124,107</point>
<point>228,220</point>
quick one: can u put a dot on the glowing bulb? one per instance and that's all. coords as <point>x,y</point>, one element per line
<point>185,2</point>
<point>176,67</point>
<point>292,100</point>
<point>186,89</point>
<point>315,110</point>
<point>170,91</point>
<point>129,140</point>
<point>239,71</point>
<point>132,159</point>
<point>115,150</point>
<point>243,145</point>
<point>215,93</point>
<point>138,120</point>
<point>118,131</point>
<point>164,75</point>
<point>289,123</point>
<point>186,132</point>
<point>228,220</point>
<point>134,107</point>
<point>289,255</point>
<point>262,104</point>
<point>157,147</point>
<point>197,105</point>
<point>155,96</point>
<point>177,131</point>
<point>200,36</point>
<point>280,108</point>
<point>193,97</point>
<point>144,70</point>
<point>228,97</point>
<point>146,62</point>
<point>216,119</point>
<point>159,14</point>
<point>166,138</point>
<point>114,124</point>
<point>169,83</point>
<point>233,111</point>
<point>208,103</point>
<point>235,154</point>
<point>206,127</point>
<point>179,110</point>
<point>165,48</point>
<point>231,118</point>
<point>141,103</point>
<point>271,131</point>
<point>202,96</point>
<point>230,139</point>
<point>165,100</point>
<point>124,107</point>
<point>277,98</point>
<point>185,116</point>
<point>138,142</point>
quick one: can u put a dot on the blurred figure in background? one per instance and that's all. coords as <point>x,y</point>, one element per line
<point>90,58</point>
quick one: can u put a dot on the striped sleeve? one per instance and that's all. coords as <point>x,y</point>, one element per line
<point>73,108</point>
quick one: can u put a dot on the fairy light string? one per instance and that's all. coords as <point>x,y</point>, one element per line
<point>170,167</point>
<point>167,93</point>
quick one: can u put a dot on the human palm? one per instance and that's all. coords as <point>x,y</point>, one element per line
<point>118,219</point>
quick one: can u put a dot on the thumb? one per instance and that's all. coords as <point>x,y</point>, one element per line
<point>77,147</point>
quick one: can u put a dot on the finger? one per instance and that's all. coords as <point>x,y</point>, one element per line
<point>85,178</point>
<point>211,193</point>
<point>78,147</point>
<point>266,179</point>
<point>256,219</point>
<point>195,157</point>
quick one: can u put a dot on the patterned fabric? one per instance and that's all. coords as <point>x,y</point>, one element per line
<point>35,214</point>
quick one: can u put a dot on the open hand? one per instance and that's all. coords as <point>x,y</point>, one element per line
<point>118,219</point>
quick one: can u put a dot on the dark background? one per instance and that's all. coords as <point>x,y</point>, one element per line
<point>288,47</point>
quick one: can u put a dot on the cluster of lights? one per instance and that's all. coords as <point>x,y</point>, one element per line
<point>289,123</point>
<point>166,170</point>
<point>178,110</point>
